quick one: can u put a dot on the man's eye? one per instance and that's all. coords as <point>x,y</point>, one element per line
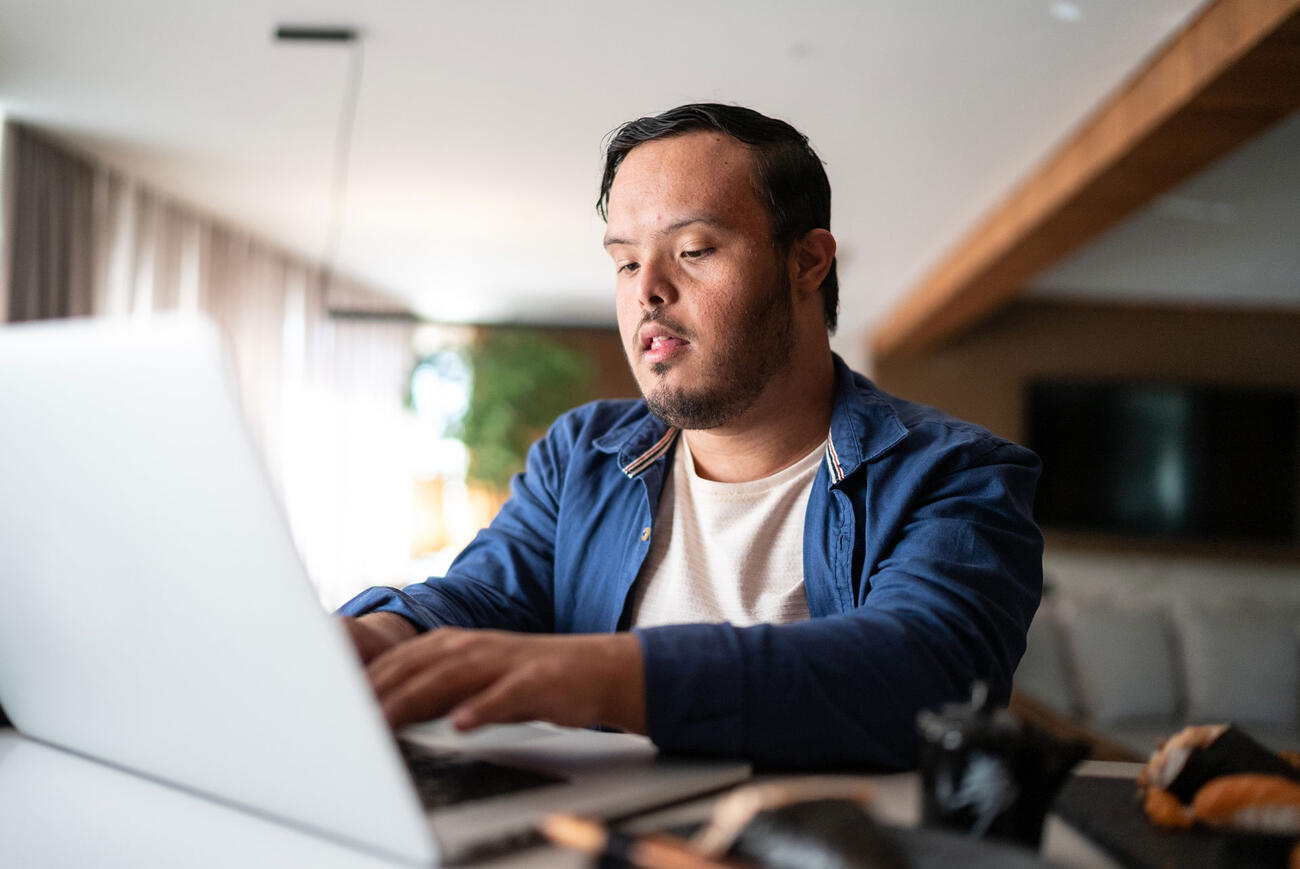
<point>696,254</point>
<point>628,267</point>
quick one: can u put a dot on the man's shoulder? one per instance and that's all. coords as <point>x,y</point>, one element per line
<point>921,428</point>
<point>937,423</point>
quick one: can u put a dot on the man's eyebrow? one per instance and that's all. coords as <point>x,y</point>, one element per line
<point>670,228</point>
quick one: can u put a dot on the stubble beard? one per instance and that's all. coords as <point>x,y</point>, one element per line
<point>759,346</point>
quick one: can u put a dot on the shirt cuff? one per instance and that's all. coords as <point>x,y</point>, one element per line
<point>695,688</point>
<point>381,599</point>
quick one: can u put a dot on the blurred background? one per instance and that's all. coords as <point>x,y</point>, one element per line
<point>391,215</point>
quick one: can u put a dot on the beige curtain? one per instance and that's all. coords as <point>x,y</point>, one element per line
<point>323,394</point>
<point>50,230</point>
<point>8,141</point>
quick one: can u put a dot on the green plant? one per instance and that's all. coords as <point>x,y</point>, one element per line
<point>522,381</point>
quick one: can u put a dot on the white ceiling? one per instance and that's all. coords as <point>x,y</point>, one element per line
<point>1230,233</point>
<point>476,156</point>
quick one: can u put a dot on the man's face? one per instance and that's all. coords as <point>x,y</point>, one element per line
<point>704,305</point>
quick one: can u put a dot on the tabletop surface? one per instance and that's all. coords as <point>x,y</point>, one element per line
<point>58,809</point>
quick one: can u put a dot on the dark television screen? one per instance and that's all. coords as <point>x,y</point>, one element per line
<point>1167,460</point>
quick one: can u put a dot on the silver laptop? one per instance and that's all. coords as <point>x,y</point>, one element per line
<point>155,615</point>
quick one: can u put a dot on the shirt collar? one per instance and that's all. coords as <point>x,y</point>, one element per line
<point>863,427</point>
<point>639,443</point>
<point>863,424</point>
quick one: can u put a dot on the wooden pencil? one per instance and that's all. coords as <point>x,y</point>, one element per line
<point>651,851</point>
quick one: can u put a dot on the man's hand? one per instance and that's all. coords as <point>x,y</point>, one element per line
<point>484,677</point>
<point>376,633</point>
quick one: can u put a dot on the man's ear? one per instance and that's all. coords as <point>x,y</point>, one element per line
<point>811,259</point>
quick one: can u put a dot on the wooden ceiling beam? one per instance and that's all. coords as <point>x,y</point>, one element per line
<point>1229,74</point>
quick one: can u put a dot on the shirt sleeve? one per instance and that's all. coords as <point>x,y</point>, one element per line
<point>504,578</point>
<point>949,603</point>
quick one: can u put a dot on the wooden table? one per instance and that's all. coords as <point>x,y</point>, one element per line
<point>58,809</point>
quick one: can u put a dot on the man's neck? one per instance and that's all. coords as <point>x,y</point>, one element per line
<point>789,421</point>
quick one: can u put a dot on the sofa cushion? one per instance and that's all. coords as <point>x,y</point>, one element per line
<point>1241,665</point>
<point>1125,663</point>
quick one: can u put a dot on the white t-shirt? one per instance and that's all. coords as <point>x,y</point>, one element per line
<point>726,552</point>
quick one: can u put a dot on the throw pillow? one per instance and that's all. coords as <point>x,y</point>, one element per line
<point>1241,665</point>
<point>1125,663</point>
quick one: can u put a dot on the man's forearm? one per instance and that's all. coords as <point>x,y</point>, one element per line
<point>375,633</point>
<point>625,683</point>
<point>393,627</point>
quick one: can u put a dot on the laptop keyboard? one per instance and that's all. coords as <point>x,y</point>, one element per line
<point>445,779</point>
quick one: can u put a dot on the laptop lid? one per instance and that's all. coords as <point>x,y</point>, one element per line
<point>156,615</point>
<point>155,612</point>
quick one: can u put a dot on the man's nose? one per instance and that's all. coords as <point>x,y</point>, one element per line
<point>656,287</point>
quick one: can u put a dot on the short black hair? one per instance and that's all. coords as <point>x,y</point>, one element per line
<point>790,179</point>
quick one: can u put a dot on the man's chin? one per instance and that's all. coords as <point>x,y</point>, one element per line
<point>657,375</point>
<point>695,410</point>
<point>654,372</point>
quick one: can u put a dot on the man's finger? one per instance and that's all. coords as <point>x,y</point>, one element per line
<point>507,700</point>
<point>428,690</point>
<point>419,698</point>
<point>401,661</point>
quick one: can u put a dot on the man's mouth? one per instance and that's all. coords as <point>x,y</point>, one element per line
<point>659,344</point>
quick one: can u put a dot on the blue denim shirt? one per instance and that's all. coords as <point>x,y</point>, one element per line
<point>922,568</point>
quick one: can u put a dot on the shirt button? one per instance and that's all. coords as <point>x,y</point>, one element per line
<point>645,533</point>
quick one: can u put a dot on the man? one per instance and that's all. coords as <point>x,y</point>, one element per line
<point>767,557</point>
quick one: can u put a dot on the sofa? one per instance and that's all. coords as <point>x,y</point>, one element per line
<point>1134,662</point>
